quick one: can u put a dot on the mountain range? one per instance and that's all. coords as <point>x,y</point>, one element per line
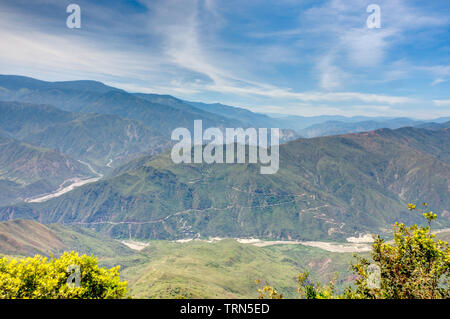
<point>328,187</point>
<point>96,138</point>
<point>163,113</point>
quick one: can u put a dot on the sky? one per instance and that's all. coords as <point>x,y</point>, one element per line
<point>303,57</point>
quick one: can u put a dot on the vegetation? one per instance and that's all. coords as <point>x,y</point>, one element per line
<point>223,269</point>
<point>267,292</point>
<point>414,265</point>
<point>42,278</point>
<point>326,188</point>
<point>93,138</point>
<point>23,237</point>
<point>167,269</point>
<point>27,170</point>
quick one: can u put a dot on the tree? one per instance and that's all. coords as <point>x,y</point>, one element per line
<point>267,292</point>
<point>414,265</point>
<point>309,290</point>
<point>42,278</point>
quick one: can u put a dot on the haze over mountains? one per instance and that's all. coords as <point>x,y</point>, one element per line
<point>329,187</point>
<point>163,112</point>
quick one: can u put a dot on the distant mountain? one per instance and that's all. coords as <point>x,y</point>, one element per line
<point>27,170</point>
<point>17,83</point>
<point>434,125</point>
<point>68,95</point>
<point>97,138</point>
<point>442,119</point>
<point>338,127</point>
<point>240,117</point>
<point>162,113</point>
<point>250,118</point>
<point>161,117</point>
<point>313,126</point>
<point>95,97</point>
<point>301,122</point>
<point>293,122</point>
<point>27,238</point>
<point>326,188</point>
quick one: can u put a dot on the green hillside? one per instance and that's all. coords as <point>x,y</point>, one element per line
<point>94,97</point>
<point>197,270</point>
<point>194,269</point>
<point>97,138</point>
<point>27,170</point>
<point>26,238</point>
<point>327,188</point>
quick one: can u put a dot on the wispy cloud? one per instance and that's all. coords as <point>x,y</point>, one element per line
<point>442,102</point>
<point>325,58</point>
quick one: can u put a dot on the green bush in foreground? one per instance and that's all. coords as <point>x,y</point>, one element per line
<point>414,265</point>
<point>40,278</point>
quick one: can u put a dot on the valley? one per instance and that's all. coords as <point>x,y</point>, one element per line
<point>88,167</point>
<point>164,269</point>
<point>72,184</point>
<point>321,182</point>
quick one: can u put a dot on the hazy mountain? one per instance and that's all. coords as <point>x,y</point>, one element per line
<point>97,138</point>
<point>27,170</point>
<point>17,83</point>
<point>442,119</point>
<point>293,122</point>
<point>434,125</point>
<point>163,113</point>
<point>313,126</point>
<point>327,187</point>
<point>250,118</point>
<point>338,127</point>
<point>68,95</point>
<point>301,122</point>
<point>95,97</point>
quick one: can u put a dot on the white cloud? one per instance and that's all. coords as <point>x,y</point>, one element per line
<point>442,102</point>
<point>185,55</point>
<point>440,72</point>
<point>331,77</point>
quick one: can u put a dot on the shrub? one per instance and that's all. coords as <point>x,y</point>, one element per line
<point>40,278</point>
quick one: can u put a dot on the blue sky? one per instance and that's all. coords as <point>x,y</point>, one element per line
<point>304,57</point>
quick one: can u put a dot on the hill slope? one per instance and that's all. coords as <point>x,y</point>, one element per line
<point>329,187</point>
<point>27,237</point>
<point>27,170</point>
<point>95,97</point>
<point>168,269</point>
<point>196,270</point>
<point>96,138</point>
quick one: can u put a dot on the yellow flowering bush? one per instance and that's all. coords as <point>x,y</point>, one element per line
<point>43,278</point>
<point>413,265</point>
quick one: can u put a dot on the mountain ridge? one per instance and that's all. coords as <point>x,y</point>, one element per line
<point>327,187</point>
